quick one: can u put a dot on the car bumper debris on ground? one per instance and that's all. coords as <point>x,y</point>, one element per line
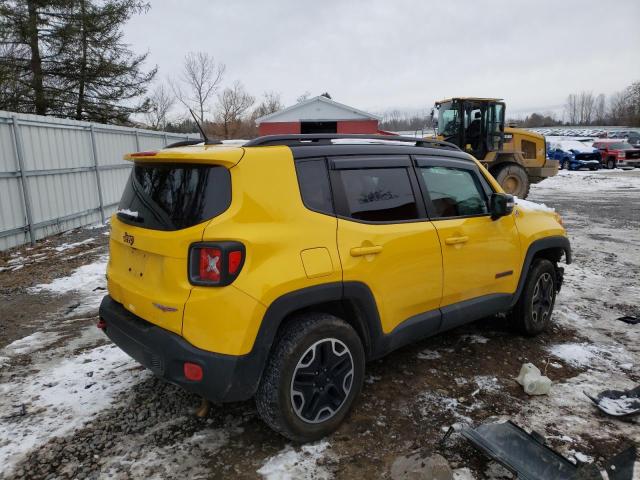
<point>75,406</point>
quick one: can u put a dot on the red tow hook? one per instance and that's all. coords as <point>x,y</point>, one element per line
<point>102,325</point>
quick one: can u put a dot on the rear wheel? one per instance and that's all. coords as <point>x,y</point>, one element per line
<point>313,375</point>
<point>532,313</point>
<point>611,164</point>
<point>514,180</point>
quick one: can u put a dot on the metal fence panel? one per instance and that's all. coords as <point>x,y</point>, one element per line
<point>58,174</point>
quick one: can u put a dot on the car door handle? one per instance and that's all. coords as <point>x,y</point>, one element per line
<point>362,251</point>
<point>456,240</point>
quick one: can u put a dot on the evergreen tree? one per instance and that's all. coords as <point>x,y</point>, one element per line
<point>68,58</point>
<point>105,76</point>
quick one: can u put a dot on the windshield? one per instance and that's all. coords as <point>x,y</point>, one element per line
<point>447,120</point>
<point>621,146</point>
<point>173,197</point>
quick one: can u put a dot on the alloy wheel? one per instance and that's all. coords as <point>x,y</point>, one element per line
<point>322,380</point>
<point>542,299</point>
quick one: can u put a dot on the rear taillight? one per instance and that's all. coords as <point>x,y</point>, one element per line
<point>215,264</point>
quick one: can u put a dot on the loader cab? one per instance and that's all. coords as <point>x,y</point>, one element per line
<point>476,125</point>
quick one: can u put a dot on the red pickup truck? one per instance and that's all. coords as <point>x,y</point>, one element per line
<point>618,153</point>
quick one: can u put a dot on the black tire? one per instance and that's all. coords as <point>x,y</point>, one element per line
<point>564,164</point>
<point>298,414</point>
<point>514,180</point>
<point>611,164</point>
<point>532,313</point>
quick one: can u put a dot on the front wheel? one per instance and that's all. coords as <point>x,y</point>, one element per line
<point>514,180</point>
<point>532,313</point>
<point>313,375</point>
<point>611,164</point>
<point>564,165</point>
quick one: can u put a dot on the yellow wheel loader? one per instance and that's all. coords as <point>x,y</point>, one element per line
<point>515,157</point>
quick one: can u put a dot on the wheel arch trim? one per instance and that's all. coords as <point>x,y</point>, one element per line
<point>536,247</point>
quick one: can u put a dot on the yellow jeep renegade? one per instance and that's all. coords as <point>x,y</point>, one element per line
<point>276,269</point>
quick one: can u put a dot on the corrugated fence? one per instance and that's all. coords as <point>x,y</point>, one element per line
<point>58,174</point>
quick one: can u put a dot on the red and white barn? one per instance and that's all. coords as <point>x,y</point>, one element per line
<point>318,115</point>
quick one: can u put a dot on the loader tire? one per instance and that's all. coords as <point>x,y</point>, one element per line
<point>514,180</point>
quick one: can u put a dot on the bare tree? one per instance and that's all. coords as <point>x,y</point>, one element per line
<point>571,109</point>
<point>271,102</point>
<point>600,109</point>
<point>198,82</point>
<point>618,106</point>
<point>233,103</point>
<point>586,104</point>
<point>160,103</point>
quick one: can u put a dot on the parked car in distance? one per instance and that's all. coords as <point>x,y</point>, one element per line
<point>574,155</point>
<point>633,138</point>
<point>618,153</point>
<point>277,269</point>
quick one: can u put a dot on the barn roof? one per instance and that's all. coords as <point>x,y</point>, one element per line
<point>317,109</point>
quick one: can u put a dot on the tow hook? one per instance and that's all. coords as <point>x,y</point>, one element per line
<point>102,325</point>
<point>203,409</point>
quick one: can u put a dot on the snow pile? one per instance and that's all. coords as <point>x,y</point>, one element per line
<point>68,246</point>
<point>62,396</point>
<point>88,280</point>
<point>291,464</point>
<point>586,355</point>
<point>576,183</point>
<point>533,206</point>
<point>31,343</point>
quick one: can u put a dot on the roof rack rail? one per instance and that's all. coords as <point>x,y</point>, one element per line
<point>326,138</point>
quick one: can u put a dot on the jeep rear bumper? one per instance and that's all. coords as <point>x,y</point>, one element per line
<point>226,378</point>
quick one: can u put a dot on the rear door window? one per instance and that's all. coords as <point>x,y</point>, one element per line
<point>173,197</point>
<point>378,194</point>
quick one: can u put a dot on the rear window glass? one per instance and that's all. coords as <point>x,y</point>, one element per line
<point>379,194</point>
<point>173,197</point>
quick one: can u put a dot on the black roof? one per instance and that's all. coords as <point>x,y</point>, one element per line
<point>314,145</point>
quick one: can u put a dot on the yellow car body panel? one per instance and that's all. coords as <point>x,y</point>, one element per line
<point>290,247</point>
<point>403,270</point>
<point>268,217</point>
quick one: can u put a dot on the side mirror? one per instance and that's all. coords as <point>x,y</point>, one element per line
<point>501,204</point>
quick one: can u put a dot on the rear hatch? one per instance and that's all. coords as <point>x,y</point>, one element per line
<point>165,207</point>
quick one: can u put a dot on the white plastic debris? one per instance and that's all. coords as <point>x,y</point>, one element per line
<point>532,380</point>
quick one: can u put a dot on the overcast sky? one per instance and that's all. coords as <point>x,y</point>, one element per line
<point>378,55</point>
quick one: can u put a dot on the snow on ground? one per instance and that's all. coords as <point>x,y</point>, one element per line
<point>61,395</point>
<point>292,463</point>
<point>87,280</point>
<point>67,246</point>
<point>610,349</point>
<point>30,343</point>
<point>579,182</point>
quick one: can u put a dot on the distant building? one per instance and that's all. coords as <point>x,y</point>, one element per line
<point>318,115</point>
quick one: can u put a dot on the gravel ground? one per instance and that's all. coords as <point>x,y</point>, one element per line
<point>73,406</point>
